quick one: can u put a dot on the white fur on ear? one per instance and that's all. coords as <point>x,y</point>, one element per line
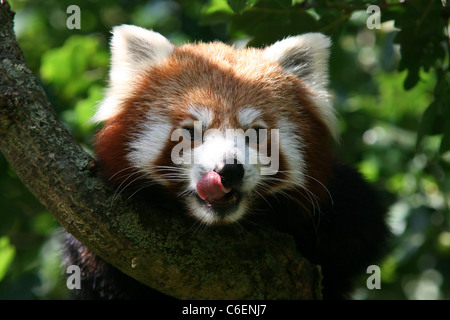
<point>306,57</point>
<point>133,50</point>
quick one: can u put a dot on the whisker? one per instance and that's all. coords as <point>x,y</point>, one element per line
<point>120,171</point>
<point>145,185</point>
<point>120,189</point>
<point>326,189</point>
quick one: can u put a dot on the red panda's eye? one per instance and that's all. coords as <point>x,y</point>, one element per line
<point>258,130</point>
<point>191,131</point>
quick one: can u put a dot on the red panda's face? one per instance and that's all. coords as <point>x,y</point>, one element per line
<point>219,127</point>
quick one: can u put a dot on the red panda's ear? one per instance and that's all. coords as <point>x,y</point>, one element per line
<point>133,50</point>
<point>306,57</point>
<point>134,47</point>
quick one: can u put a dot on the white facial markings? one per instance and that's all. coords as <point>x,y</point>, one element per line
<point>202,114</point>
<point>148,143</point>
<point>214,150</point>
<point>247,116</point>
<point>291,147</point>
<point>217,147</point>
<point>207,216</point>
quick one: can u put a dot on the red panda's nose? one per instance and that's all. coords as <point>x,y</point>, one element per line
<point>232,175</point>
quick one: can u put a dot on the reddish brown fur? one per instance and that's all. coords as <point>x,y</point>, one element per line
<point>219,77</point>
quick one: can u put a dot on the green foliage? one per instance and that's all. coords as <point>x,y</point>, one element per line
<point>7,253</point>
<point>239,6</point>
<point>84,59</point>
<point>436,119</point>
<point>79,58</point>
<point>391,88</point>
<point>421,34</point>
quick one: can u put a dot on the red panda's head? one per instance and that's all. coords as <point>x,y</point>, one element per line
<point>221,128</point>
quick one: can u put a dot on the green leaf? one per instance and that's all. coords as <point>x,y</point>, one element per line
<point>420,37</point>
<point>267,24</point>
<point>72,68</point>
<point>370,169</point>
<point>239,6</point>
<point>445,142</point>
<point>43,224</point>
<point>79,117</point>
<point>436,119</point>
<point>215,11</point>
<point>7,254</point>
<point>285,4</point>
<point>85,109</point>
<point>445,104</point>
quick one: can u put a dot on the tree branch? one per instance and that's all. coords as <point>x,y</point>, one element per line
<point>257,264</point>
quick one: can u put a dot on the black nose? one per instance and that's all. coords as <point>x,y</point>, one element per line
<point>232,175</point>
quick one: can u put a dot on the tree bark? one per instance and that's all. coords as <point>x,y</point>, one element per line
<point>162,252</point>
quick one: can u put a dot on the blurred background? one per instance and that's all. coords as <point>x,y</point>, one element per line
<point>389,77</point>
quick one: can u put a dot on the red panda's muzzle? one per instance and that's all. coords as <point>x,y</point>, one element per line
<point>221,189</point>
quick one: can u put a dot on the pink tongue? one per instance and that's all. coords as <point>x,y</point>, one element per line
<point>210,186</point>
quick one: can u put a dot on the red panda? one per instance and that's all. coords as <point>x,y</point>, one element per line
<point>234,135</point>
